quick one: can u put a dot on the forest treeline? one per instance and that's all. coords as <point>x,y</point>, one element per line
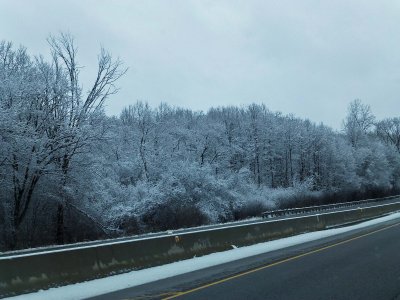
<point>69,173</point>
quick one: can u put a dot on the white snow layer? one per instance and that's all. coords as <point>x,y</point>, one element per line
<point>122,281</point>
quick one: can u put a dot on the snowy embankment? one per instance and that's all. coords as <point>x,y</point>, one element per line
<point>135,278</point>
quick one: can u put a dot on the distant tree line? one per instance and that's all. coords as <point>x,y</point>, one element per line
<point>70,173</point>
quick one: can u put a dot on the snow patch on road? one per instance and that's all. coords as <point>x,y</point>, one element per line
<point>122,281</point>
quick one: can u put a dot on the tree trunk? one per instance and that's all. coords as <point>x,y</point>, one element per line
<point>60,224</point>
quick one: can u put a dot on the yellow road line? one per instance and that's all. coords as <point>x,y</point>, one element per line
<point>178,294</point>
<point>153,296</point>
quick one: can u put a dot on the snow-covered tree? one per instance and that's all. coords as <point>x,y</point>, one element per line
<point>358,122</point>
<point>46,118</point>
<point>388,130</point>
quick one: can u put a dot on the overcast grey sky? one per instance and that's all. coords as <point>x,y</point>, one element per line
<point>309,58</point>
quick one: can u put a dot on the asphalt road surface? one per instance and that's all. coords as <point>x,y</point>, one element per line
<point>361,264</point>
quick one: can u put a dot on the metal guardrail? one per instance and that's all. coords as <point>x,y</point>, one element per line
<point>319,208</point>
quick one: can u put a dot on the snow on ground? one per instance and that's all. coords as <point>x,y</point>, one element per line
<point>134,278</point>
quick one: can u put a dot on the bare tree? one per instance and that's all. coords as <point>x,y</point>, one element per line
<point>79,108</point>
<point>388,130</point>
<point>140,116</point>
<point>358,122</point>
